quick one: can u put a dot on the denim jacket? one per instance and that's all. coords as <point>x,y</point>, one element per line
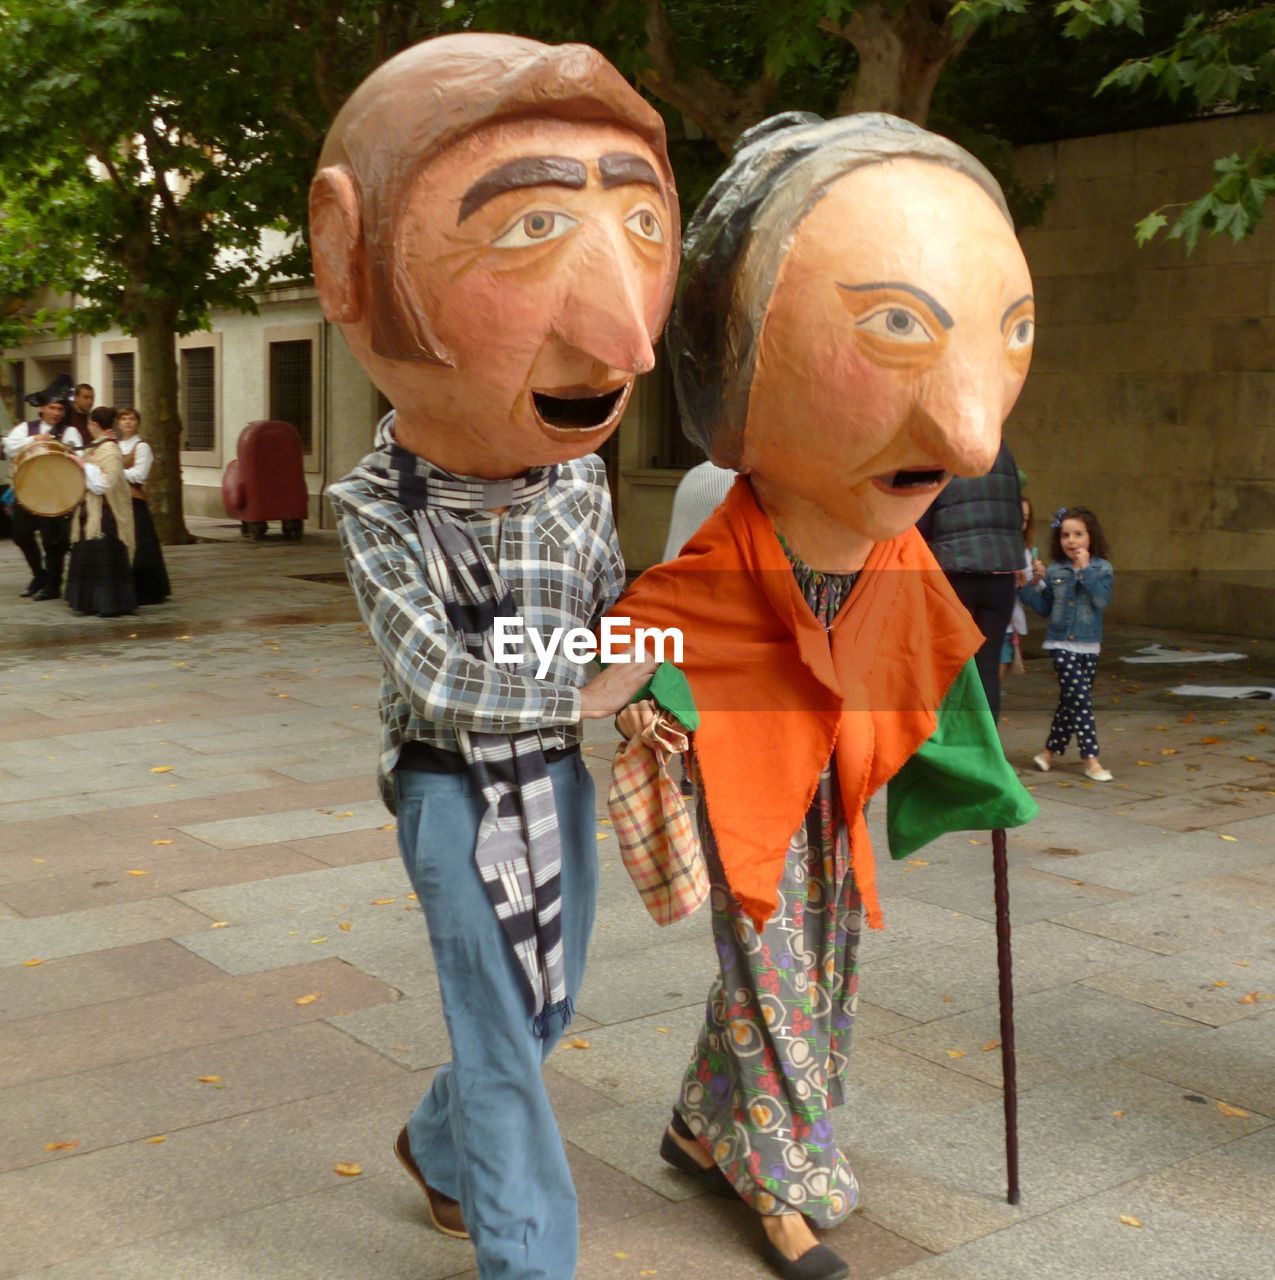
<point>1072,600</point>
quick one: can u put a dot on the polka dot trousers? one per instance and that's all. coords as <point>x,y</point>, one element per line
<point>1075,673</point>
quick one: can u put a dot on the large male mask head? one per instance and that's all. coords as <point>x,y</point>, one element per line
<point>495,229</point>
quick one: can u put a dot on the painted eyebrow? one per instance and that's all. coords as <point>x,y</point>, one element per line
<point>527,171</point>
<point>1013,306</point>
<point>940,312</point>
<point>622,167</point>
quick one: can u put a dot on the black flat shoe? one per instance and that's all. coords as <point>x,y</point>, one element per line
<point>819,1263</point>
<point>712,1179</point>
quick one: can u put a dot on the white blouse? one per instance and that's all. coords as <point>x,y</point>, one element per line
<point>139,457</point>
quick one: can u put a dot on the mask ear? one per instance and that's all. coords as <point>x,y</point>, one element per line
<point>336,244</point>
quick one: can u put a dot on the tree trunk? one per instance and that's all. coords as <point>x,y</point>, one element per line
<point>161,421</point>
<point>902,54</point>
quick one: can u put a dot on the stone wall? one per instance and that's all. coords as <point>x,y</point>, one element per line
<point>1151,397</point>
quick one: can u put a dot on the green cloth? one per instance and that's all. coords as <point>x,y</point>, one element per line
<point>959,780</point>
<point>672,693</point>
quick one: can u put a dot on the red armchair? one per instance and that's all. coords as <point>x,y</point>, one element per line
<point>266,481</point>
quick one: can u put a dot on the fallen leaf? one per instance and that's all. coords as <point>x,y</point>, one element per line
<point>978,842</point>
<point>1146,763</point>
<point>949,999</point>
<point>161,842</point>
<point>1119,1115</point>
<point>1231,839</point>
<point>162,768</point>
<point>412,896</point>
<point>1209,741</point>
<point>219,924</point>
<point>990,1045</point>
<point>381,902</point>
<point>1129,1221</point>
<point>314,942</point>
<point>1221,983</point>
<point>664,1030</point>
<point>579,1043</point>
<point>619,1253</point>
<point>309,999</point>
<point>1235,1112</point>
<point>917,862</point>
<point>137,871</point>
<point>347,1168</point>
<point>1240,964</point>
<point>602,835</point>
<point>647,1271</point>
<point>345,813</point>
<point>1262,728</point>
<point>345,926</point>
<point>32,963</point>
<point>1251,759</point>
<point>955,1053</point>
<point>1168,751</point>
<point>281,695</point>
<point>70,1146</point>
<point>209,1079</point>
<point>389,826</point>
<point>156,1140</point>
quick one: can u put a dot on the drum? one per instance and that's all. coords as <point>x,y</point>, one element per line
<point>47,480</point>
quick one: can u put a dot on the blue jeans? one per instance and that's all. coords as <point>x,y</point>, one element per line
<point>485,1133</point>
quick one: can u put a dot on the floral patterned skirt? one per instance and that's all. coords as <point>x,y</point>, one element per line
<point>771,1058</point>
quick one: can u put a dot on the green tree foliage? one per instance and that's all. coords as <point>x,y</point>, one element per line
<point>150,148</point>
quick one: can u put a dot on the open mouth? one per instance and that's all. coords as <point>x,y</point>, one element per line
<point>578,413</point>
<point>911,480</point>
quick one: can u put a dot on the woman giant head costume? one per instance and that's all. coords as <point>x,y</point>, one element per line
<point>854,320</point>
<point>495,229</point>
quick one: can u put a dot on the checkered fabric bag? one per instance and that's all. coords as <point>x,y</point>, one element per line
<point>658,842</point>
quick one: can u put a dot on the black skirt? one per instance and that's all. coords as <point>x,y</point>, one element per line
<point>100,578</point>
<point>150,576</point>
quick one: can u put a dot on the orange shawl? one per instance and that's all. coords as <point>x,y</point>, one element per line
<point>776,692</point>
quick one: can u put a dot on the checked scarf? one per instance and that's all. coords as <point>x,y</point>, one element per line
<point>518,851</point>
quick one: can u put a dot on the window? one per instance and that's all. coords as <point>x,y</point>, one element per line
<point>18,376</point>
<point>122,368</point>
<point>199,399</point>
<point>292,387</point>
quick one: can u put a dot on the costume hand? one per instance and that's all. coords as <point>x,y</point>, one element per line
<point>636,718</point>
<point>609,692</point>
<point>1080,557</point>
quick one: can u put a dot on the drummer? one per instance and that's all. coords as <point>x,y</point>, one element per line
<point>42,539</point>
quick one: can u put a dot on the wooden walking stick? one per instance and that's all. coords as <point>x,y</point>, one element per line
<point>1004,964</point>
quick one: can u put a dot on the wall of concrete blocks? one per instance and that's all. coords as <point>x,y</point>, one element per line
<point>1151,397</point>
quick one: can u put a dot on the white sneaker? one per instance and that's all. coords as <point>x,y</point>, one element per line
<point>1042,762</point>
<point>1099,775</point>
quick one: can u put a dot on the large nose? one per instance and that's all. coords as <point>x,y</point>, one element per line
<point>959,416</point>
<point>602,314</point>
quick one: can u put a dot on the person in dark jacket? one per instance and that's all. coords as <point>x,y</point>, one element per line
<point>974,528</point>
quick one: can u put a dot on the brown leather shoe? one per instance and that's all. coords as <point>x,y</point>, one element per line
<point>444,1212</point>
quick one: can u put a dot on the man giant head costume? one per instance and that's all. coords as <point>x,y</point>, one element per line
<point>495,229</point>
<point>855,319</point>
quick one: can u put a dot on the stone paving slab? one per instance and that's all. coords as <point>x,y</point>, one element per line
<point>60,1044</point>
<point>1207,1217</point>
<point>55,1212</point>
<point>1189,983</point>
<point>98,977</point>
<point>117,1103</point>
<point>97,929</point>
<point>288,825</point>
<point>167,876</point>
<point>1058,1032</point>
<point>945,980</point>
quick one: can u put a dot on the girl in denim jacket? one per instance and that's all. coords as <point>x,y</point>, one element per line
<point>1072,592</point>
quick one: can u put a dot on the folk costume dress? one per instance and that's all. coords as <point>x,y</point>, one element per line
<point>150,574</point>
<point>813,692</point>
<point>100,577</point>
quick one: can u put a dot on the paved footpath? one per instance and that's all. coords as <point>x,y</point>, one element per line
<point>215,989</point>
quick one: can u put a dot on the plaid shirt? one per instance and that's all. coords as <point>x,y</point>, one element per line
<point>559,556</point>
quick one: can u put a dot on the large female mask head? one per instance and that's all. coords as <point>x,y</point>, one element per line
<point>855,319</point>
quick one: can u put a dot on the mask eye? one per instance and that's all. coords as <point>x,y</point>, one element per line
<point>645,225</point>
<point>535,227</point>
<point>898,324</point>
<point>1021,334</point>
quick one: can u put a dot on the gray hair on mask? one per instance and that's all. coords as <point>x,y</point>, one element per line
<point>740,235</point>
